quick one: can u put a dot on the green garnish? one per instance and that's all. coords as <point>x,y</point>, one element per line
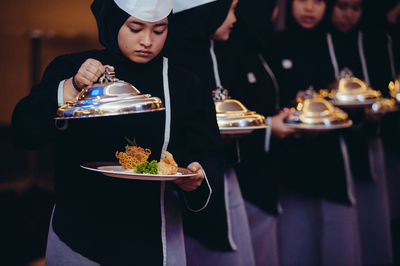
<point>147,168</point>
<point>131,142</point>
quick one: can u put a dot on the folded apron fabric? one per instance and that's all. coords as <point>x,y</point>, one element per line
<point>198,254</point>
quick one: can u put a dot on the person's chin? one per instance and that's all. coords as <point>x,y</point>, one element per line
<point>308,26</point>
<point>224,37</point>
<point>141,59</point>
<point>346,28</point>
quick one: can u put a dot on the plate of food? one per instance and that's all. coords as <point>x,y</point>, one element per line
<point>114,169</point>
<point>133,164</point>
<point>319,128</point>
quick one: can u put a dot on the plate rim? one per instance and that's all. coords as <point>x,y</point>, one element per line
<point>306,127</point>
<point>105,114</point>
<point>244,128</point>
<point>240,130</point>
<point>354,104</point>
<point>93,166</point>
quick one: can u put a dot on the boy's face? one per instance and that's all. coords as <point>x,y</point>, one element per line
<point>141,41</point>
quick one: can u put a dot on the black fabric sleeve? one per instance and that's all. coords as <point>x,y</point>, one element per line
<point>204,145</point>
<point>33,121</point>
<point>378,61</point>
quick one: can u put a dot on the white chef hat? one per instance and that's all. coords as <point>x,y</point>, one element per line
<point>146,10</point>
<point>182,5</point>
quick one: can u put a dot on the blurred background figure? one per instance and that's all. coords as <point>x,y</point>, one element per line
<point>318,225</point>
<point>193,34</point>
<point>249,78</point>
<point>364,50</point>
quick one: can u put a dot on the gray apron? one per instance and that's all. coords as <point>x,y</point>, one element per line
<point>314,231</point>
<point>372,197</point>
<point>373,210</point>
<point>264,235</point>
<point>393,178</point>
<point>58,253</point>
<point>238,233</point>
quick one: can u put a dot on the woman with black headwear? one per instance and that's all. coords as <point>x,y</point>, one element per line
<point>363,51</point>
<point>365,54</point>
<point>102,220</point>
<point>244,69</point>
<point>318,225</point>
<point>193,32</point>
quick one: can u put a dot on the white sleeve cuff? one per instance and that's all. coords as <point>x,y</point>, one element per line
<point>60,95</point>
<point>208,197</point>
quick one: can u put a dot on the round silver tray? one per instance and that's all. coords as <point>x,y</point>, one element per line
<point>107,114</point>
<point>319,128</point>
<point>356,104</point>
<point>239,130</point>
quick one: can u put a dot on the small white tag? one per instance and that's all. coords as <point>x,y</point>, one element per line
<point>287,63</point>
<point>251,77</point>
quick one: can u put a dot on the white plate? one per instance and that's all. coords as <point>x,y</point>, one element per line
<point>356,104</point>
<point>239,130</point>
<point>114,169</point>
<point>319,128</point>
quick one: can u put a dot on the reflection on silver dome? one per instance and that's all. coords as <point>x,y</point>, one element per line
<point>109,97</point>
<point>312,109</point>
<point>351,90</point>
<point>233,114</point>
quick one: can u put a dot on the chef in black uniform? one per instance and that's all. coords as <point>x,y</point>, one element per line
<point>193,34</point>
<point>245,69</point>
<point>103,220</point>
<point>364,52</point>
<point>318,225</point>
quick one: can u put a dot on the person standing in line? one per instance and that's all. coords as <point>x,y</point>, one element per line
<point>194,32</point>
<point>365,53</point>
<point>318,225</point>
<point>244,69</point>
<point>100,220</point>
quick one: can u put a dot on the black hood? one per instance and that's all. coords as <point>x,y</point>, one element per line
<point>195,26</point>
<point>190,32</point>
<point>254,20</point>
<point>109,18</point>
